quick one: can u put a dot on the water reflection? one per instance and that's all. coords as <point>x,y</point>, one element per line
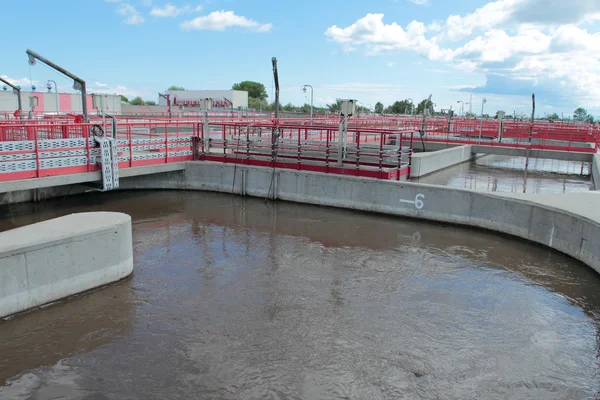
<point>507,174</point>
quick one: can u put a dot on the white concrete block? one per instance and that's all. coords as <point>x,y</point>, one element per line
<point>51,260</point>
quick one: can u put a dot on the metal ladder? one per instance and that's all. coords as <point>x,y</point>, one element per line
<point>109,161</point>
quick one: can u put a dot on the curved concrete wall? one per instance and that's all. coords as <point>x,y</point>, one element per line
<point>569,223</point>
<point>51,260</point>
<point>596,171</point>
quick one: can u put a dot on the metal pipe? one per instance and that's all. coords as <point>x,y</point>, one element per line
<point>481,125</point>
<point>78,85</point>
<point>18,90</point>
<point>276,77</point>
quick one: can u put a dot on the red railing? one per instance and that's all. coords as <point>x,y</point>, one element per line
<point>33,150</point>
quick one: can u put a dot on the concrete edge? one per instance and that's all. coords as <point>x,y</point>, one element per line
<point>596,171</point>
<point>85,177</point>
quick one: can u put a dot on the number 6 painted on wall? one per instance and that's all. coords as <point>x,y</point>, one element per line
<point>418,201</point>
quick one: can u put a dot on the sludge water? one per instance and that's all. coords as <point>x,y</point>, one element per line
<point>233,298</point>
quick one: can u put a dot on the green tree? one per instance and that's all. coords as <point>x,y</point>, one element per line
<point>257,104</point>
<point>378,107</point>
<point>150,103</point>
<point>289,107</point>
<point>580,114</point>
<point>306,108</point>
<point>255,90</point>
<point>175,88</point>
<point>335,107</point>
<point>553,117</point>
<point>124,99</point>
<point>137,101</point>
<point>425,104</point>
<point>400,107</point>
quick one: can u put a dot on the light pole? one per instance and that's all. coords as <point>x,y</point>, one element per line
<point>462,106</point>
<point>49,86</point>
<point>481,125</point>
<point>311,100</point>
<point>411,106</point>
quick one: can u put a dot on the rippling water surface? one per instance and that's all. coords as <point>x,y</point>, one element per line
<point>238,299</point>
<point>507,174</point>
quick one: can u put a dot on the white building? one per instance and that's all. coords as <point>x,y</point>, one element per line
<point>191,99</point>
<point>53,102</point>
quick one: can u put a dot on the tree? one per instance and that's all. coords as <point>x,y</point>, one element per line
<point>580,114</point>
<point>150,103</point>
<point>498,114</point>
<point>175,88</point>
<point>553,117</point>
<point>425,104</point>
<point>289,107</point>
<point>137,101</point>
<point>257,104</point>
<point>378,107</point>
<point>255,90</point>
<point>335,107</point>
<point>124,99</point>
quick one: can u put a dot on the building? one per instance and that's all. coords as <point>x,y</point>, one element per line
<point>191,99</point>
<point>53,102</point>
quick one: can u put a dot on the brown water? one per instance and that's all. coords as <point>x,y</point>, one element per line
<point>237,299</point>
<point>507,174</point>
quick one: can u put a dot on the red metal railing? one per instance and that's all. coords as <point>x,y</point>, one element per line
<point>31,150</point>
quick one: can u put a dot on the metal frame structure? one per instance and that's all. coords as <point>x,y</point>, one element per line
<point>79,84</point>
<point>18,90</point>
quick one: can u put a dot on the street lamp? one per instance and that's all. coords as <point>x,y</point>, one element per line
<point>462,106</point>
<point>311,100</point>
<point>412,107</point>
<point>481,126</point>
<point>49,86</point>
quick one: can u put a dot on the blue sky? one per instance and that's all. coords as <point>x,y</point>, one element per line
<point>371,51</point>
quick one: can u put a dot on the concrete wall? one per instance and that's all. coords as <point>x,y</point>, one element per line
<point>427,163</point>
<point>51,260</point>
<point>596,171</point>
<point>541,219</point>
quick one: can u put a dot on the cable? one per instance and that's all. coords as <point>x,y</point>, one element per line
<point>236,158</point>
<point>275,141</point>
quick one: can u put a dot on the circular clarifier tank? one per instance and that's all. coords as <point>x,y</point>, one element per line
<point>237,298</point>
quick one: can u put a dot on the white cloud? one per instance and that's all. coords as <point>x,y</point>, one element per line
<point>420,2</point>
<point>131,14</point>
<point>24,82</point>
<point>221,20</point>
<point>390,64</point>
<point>169,10</point>
<point>525,43</point>
<point>512,13</point>
<point>370,31</point>
<point>101,84</point>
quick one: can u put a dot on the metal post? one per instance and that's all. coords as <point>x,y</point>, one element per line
<point>481,125</point>
<point>168,98</point>
<point>311,100</point>
<point>462,106</point>
<point>18,90</point>
<point>79,83</point>
<point>56,92</point>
